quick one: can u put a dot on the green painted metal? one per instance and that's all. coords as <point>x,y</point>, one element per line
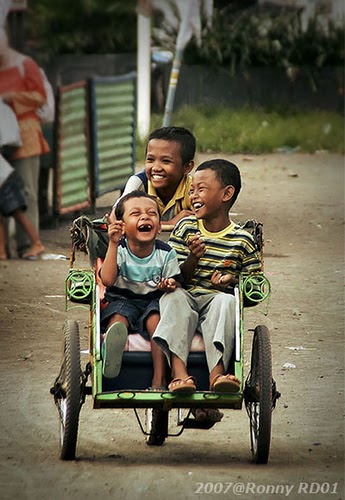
<point>113,131</point>
<point>95,140</point>
<point>73,182</point>
<point>150,399</point>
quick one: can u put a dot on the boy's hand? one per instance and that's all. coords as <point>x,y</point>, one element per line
<point>222,281</point>
<point>167,285</point>
<point>115,228</point>
<point>197,246</point>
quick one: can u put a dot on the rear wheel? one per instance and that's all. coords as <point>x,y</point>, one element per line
<point>156,426</point>
<point>68,397</point>
<point>258,395</point>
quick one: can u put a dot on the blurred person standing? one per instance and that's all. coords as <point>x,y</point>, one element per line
<point>22,88</point>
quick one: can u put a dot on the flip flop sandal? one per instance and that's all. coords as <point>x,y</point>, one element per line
<point>112,349</point>
<point>182,385</point>
<point>225,383</point>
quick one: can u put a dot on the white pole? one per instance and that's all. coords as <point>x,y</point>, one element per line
<point>143,74</point>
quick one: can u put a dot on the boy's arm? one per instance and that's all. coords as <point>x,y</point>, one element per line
<point>168,285</point>
<point>133,183</point>
<point>251,263</point>
<point>197,249</point>
<point>109,269</point>
<point>177,218</point>
<point>223,281</point>
<point>171,273</point>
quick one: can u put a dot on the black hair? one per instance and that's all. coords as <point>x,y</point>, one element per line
<point>120,209</point>
<point>227,173</point>
<point>181,135</point>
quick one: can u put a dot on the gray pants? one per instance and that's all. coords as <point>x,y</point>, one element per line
<point>211,314</point>
<point>29,171</point>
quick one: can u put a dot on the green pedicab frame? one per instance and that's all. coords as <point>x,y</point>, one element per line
<point>257,390</point>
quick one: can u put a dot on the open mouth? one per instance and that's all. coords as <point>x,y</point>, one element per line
<point>145,228</point>
<point>157,177</point>
<point>197,206</point>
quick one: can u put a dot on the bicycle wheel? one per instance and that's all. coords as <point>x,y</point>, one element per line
<point>157,426</point>
<point>258,395</point>
<point>68,399</point>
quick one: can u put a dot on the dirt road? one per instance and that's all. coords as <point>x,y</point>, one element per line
<point>300,200</point>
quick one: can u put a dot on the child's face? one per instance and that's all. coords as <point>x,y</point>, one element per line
<point>141,220</point>
<point>163,164</point>
<point>207,195</point>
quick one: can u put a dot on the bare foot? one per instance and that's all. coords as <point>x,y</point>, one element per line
<point>158,384</point>
<point>34,251</point>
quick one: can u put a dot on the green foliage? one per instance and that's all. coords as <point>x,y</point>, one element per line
<point>241,35</point>
<point>224,130</point>
<point>238,39</point>
<point>82,26</point>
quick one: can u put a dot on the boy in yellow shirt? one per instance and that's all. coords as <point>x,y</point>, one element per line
<point>169,159</point>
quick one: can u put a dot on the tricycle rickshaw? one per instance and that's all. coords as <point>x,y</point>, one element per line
<point>129,390</point>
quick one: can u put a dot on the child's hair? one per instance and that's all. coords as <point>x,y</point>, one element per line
<point>120,209</point>
<point>180,135</point>
<point>227,173</point>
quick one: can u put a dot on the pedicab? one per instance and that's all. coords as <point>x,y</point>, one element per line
<point>128,390</point>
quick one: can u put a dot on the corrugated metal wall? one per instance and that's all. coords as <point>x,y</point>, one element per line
<point>94,140</point>
<point>72,145</point>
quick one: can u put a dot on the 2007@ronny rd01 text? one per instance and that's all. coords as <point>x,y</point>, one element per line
<point>240,488</point>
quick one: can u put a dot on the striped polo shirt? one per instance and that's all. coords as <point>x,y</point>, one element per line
<point>231,250</point>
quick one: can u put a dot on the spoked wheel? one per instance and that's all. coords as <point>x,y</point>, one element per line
<point>258,395</point>
<point>156,426</point>
<point>67,391</point>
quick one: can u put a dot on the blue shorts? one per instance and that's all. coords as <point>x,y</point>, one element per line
<point>12,195</point>
<point>135,310</point>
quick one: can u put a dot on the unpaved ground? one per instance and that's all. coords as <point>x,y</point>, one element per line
<point>300,199</point>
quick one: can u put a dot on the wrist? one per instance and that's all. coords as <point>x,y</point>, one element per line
<point>193,258</point>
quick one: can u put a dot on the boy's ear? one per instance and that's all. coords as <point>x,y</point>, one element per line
<point>229,192</point>
<point>160,228</point>
<point>188,167</point>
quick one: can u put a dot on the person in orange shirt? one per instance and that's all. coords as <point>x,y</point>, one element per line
<point>22,88</point>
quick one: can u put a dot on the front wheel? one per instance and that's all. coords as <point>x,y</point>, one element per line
<point>258,395</point>
<point>68,391</point>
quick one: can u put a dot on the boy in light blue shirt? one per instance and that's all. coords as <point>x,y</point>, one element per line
<point>137,270</point>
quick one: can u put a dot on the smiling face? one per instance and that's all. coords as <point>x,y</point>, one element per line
<point>141,221</point>
<point>163,166</point>
<point>209,198</point>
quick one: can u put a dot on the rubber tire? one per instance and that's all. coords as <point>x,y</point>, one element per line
<point>70,403</point>
<point>158,428</point>
<point>258,395</point>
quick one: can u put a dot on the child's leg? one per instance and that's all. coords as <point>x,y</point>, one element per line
<point>36,245</point>
<point>159,379</point>
<point>218,331</point>
<point>3,253</point>
<point>182,382</point>
<point>118,317</point>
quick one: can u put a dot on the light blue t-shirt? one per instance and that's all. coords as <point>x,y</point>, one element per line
<point>139,277</point>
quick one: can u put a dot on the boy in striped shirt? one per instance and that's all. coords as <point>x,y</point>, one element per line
<point>212,252</point>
